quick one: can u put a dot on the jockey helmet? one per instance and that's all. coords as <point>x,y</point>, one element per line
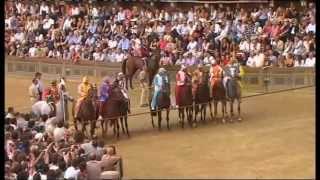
<point>85,79</point>
<point>183,67</point>
<point>162,70</point>
<point>107,79</point>
<point>120,75</point>
<point>213,62</point>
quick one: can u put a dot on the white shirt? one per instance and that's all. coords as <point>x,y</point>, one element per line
<point>44,8</point>
<point>50,125</point>
<point>311,28</point>
<point>75,11</point>
<point>259,59</point>
<point>119,57</point>
<point>192,45</point>
<point>67,24</point>
<point>32,52</point>
<point>310,62</point>
<point>48,23</point>
<point>96,56</point>
<point>244,46</point>
<point>112,43</point>
<point>251,62</point>
<point>58,134</point>
<point>71,172</point>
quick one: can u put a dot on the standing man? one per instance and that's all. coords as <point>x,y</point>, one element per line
<point>39,84</point>
<point>65,97</point>
<point>34,92</point>
<point>144,87</point>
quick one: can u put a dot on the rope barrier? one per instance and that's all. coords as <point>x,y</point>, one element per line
<point>175,108</point>
<point>244,97</point>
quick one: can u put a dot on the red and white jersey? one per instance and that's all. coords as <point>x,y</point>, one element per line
<point>181,78</point>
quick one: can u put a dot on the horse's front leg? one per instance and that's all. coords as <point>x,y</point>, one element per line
<point>92,127</point>
<point>210,108</point>
<point>215,104</point>
<point>181,114</point>
<point>196,111</point>
<point>121,121</point>
<point>168,111</point>
<point>75,123</point>
<point>126,122</point>
<point>223,107</point>
<point>118,128</point>
<point>159,119</point>
<point>239,115</point>
<point>204,110</point>
<point>152,120</point>
<point>231,110</point>
<point>131,86</point>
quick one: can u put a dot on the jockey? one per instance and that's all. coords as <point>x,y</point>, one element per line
<point>55,91</point>
<point>160,80</point>
<point>196,79</point>
<point>216,73</point>
<point>52,92</point>
<point>83,90</point>
<point>104,94</point>
<point>181,78</point>
<point>233,69</point>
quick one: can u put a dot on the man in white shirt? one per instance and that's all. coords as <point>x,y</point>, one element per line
<point>39,84</point>
<point>59,132</point>
<point>251,62</point>
<point>72,171</point>
<point>34,92</point>
<point>310,61</point>
<point>311,26</point>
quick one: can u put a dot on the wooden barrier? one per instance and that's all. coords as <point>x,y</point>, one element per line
<point>257,78</point>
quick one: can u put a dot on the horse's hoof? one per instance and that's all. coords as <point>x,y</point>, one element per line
<point>223,121</point>
<point>194,125</point>
<point>239,119</point>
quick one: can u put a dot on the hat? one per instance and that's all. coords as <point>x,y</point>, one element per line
<point>85,79</point>
<point>120,74</point>
<point>162,70</point>
<point>213,62</point>
<point>38,136</point>
<point>183,67</point>
<point>10,116</point>
<point>200,65</point>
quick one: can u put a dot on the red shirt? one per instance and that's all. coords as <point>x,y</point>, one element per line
<point>225,61</point>
<point>162,44</point>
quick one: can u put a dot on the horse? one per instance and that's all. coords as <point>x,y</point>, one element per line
<point>219,95</point>
<point>47,108</point>
<point>87,112</point>
<point>186,101</point>
<point>202,97</point>
<point>133,63</point>
<point>115,107</point>
<point>233,91</point>
<point>163,102</point>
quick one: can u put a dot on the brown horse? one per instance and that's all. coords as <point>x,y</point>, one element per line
<point>202,97</point>
<point>186,101</point>
<point>163,100</point>
<point>132,64</point>
<point>116,107</point>
<point>87,112</point>
<point>219,95</point>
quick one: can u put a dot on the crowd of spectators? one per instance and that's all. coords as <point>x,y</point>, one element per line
<point>47,150</point>
<point>281,36</point>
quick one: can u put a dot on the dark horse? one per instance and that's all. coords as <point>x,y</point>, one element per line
<point>163,102</point>
<point>116,107</point>
<point>202,97</point>
<point>87,112</point>
<point>233,90</point>
<point>219,95</point>
<point>132,64</point>
<point>186,101</point>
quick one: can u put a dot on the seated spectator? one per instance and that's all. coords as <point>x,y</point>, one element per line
<point>289,61</point>
<point>310,61</point>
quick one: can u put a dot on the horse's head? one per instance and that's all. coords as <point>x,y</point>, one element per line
<point>205,77</point>
<point>92,93</point>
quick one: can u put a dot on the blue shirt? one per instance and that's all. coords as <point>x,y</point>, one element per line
<point>124,44</point>
<point>104,91</point>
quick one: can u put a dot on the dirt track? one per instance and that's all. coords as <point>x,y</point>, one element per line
<point>275,140</point>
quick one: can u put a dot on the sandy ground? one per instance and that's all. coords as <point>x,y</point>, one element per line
<point>275,140</point>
